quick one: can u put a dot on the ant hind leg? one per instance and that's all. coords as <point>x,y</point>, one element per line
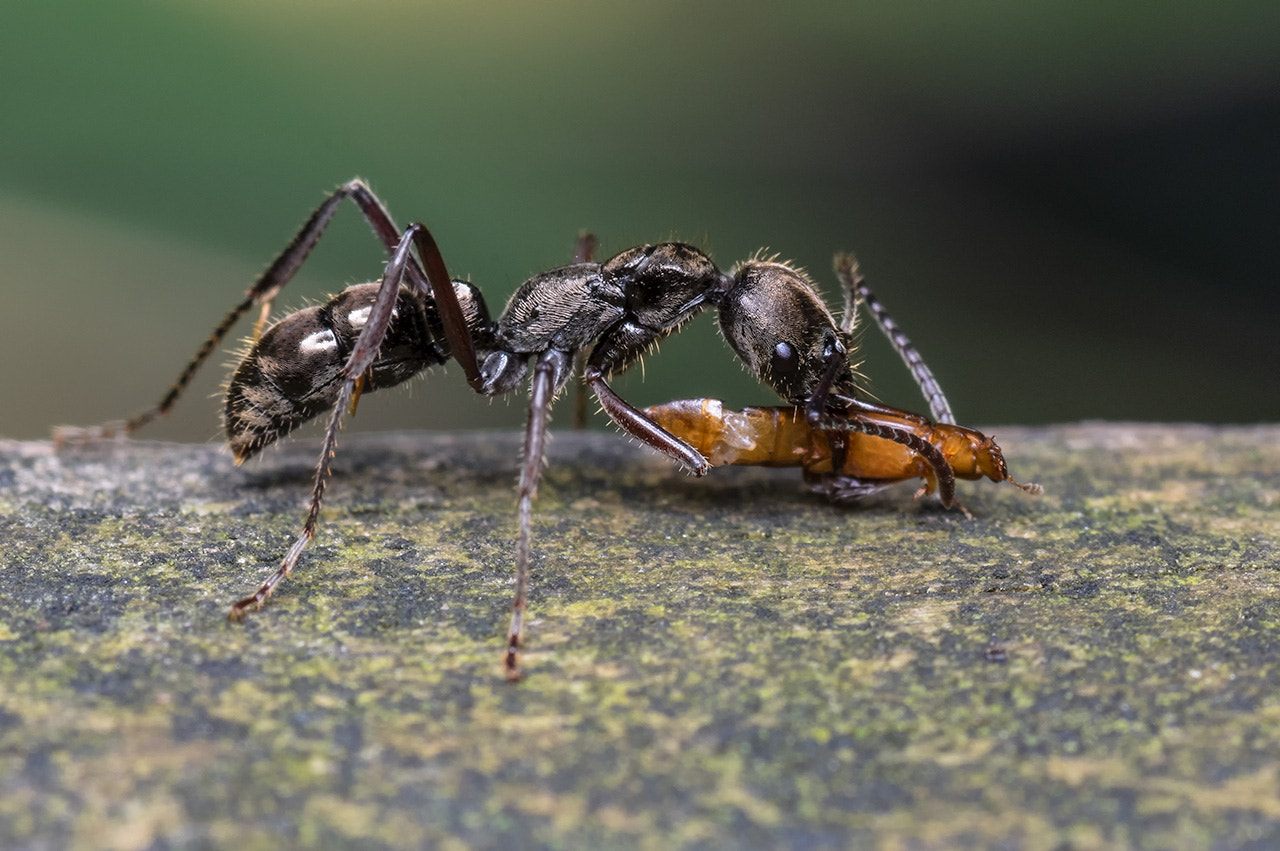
<point>362,356</point>
<point>262,293</point>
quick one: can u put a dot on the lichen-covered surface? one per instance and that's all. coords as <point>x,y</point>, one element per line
<point>717,662</point>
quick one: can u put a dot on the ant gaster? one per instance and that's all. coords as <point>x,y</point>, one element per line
<point>375,335</point>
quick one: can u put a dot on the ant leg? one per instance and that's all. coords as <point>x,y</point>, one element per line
<point>255,601</point>
<point>857,292</point>
<point>862,417</point>
<point>548,374</point>
<point>640,425</point>
<point>261,293</point>
<point>362,357</point>
<point>456,330</point>
<point>63,435</point>
<point>584,250</point>
<point>841,489</point>
<point>434,280</point>
<point>619,347</point>
<point>869,419</point>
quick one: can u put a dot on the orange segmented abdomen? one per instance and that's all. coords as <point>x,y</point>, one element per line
<point>770,436</point>
<point>780,436</point>
<point>970,453</point>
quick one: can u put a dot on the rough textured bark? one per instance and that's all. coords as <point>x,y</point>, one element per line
<point>724,661</point>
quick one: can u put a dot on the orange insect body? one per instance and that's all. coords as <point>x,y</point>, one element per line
<point>781,436</point>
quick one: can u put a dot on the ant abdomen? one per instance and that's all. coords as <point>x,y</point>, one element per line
<point>295,369</point>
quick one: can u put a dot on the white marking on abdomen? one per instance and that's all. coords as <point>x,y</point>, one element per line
<point>357,318</point>
<point>319,342</point>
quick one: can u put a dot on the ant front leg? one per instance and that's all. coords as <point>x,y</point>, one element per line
<point>856,292</point>
<point>855,415</point>
<point>662,286</point>
<point>362,357</point>
<point>619,349</point>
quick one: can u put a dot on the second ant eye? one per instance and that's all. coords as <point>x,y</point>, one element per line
<point>785,361</point>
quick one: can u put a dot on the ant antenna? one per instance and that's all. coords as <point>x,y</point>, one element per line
<point>856,292</point>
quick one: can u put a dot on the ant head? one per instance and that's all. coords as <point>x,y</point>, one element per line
<point>774,318</point>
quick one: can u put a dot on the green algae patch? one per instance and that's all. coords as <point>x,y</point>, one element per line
<point>716,662</point>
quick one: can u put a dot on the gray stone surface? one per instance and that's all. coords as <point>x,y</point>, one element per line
<point>716,662</point>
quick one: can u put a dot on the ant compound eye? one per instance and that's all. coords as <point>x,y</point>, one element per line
<point>785,361</point>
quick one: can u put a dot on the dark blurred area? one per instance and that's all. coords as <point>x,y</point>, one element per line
<point>1073,210</point>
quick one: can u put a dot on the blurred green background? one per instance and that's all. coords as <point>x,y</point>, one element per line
<point>1072,208</point>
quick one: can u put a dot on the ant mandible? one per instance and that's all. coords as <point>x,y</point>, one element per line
<point>371,336</point>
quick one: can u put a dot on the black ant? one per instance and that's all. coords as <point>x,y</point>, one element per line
<point>372,336</point>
